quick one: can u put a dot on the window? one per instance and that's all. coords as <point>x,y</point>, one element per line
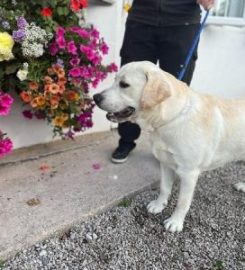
<point>229,8</point>
<point>228,12</point>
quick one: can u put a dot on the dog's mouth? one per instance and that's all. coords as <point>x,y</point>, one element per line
<point>120,116</point>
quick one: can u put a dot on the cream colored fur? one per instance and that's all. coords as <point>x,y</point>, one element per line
<point>190,132</point>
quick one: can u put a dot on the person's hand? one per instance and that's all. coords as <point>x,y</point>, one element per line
<point>207,4</point>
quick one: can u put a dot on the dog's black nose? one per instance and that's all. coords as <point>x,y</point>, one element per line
<point>98,98</point>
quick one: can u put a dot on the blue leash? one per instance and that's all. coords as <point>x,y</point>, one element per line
<point>193,47</point>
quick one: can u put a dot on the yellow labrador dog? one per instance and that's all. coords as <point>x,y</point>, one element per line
<point>190,132</point>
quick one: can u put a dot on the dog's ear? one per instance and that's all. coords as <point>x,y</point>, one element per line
<point>155,91</point>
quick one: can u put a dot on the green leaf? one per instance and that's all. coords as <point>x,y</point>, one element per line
<point>65,11</point>
<point>1,264</point>
<point>126,202</point>
<point>218,265</point>
<point>11,68</point>
<point>1,73</point>
<point>60,11</point>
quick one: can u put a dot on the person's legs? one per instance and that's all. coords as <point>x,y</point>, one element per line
<point>174,43</point>
<point>138,45</point>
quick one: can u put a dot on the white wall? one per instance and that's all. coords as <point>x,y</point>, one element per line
<point>220,70</point>
<point>220,67</point>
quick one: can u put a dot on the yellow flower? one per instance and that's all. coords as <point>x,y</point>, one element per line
<point>6,46</point>
<point>127,7</point>
<point>60,120</point>
<point>41,101</point>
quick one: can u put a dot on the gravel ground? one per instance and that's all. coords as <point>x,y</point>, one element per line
<point>127,237</point>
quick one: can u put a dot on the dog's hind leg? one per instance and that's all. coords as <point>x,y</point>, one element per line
<point>167,179</point>
<point>240,186</point>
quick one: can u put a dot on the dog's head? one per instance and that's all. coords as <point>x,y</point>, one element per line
<point>137,87</point>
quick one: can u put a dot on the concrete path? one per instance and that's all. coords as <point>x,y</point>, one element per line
<point>47,188</point>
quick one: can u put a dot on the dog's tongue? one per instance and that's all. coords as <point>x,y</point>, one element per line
<point>111,117</point>
<point>121,115</point>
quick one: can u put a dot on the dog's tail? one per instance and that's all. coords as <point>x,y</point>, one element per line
<point>240,186</point>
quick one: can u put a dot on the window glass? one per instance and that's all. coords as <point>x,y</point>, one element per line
<point>229,8</point>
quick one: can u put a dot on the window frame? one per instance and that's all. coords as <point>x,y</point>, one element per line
<point>226,20</point>
<point>229,21</point>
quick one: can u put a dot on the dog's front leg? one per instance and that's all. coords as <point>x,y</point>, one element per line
<point>167,179</point>
<point>188,180</point>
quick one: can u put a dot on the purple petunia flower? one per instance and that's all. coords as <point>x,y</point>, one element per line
<point>21,22</point>
<point>19,35</point>
<point>5,25</point>
<point>27,114</point>
<point>70,135</point>
<point>40,115</point>
<point>85,120</point>
<point>60,62</point>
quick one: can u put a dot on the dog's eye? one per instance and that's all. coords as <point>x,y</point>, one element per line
<point>123,84</point>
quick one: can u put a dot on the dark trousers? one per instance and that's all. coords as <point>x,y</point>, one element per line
<point>167,45</point>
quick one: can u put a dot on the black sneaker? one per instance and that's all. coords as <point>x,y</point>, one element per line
<point>120,155</point>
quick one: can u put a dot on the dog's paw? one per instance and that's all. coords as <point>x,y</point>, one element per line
<point>155,207</point>
<point>173,224</point>
<point>240,186</point>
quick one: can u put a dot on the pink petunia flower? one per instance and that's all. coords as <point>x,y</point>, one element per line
<point>75,29</point>
<point>6,99</point>
<point>83,33</point>
<point>90,54</point>
<point>96,166</point>
<point>74,72</point>
<point>5,104</point>
<point>4,110</point>
<point>71,47</point>
<point>96,59</point>
<point>95,33</point>
<point>104,48</point>
<point>86,72</point>
<point>112,68</point>
<point>53,49</point>
<point>75,61</point>
<point>61,42</point>
<point>60,32</point>
<point>6,146</point>
<point>95,83</point>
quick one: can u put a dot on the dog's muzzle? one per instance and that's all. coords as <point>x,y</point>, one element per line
<point>116,117</point>
<point>120,116</point>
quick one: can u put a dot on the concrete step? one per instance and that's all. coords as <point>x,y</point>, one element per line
<point>47,188</point>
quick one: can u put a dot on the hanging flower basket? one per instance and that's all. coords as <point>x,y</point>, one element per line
<point>53,59</point>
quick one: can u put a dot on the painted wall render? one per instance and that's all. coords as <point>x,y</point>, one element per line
<point>220,71</point>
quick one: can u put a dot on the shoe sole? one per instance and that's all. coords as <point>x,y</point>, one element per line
<point>119,161</point>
